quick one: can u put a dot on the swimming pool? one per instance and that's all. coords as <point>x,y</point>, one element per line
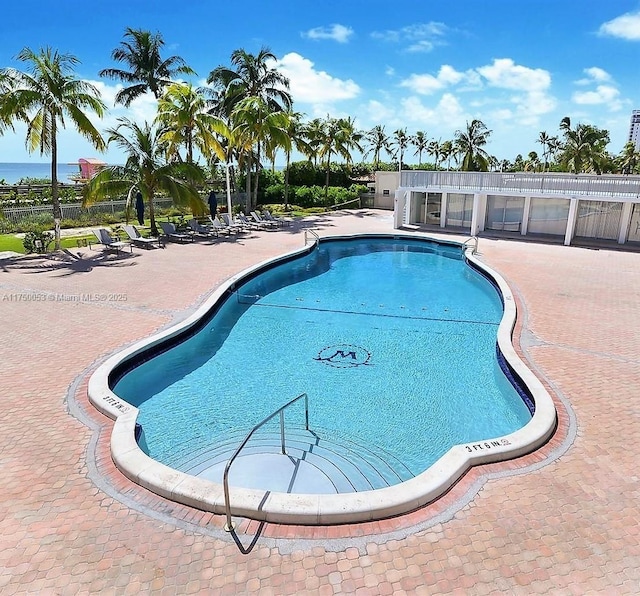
<point>393,339</point>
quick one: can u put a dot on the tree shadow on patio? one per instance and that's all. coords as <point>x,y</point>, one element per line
<point>66,262</point>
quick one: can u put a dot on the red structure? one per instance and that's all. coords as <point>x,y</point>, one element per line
<point>88,168</point>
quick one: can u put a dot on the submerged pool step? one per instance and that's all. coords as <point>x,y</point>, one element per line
<point>343,464</point>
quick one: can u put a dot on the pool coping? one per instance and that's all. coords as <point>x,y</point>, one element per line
<point>319,509</point>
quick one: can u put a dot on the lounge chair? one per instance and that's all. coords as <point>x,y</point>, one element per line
<point>172,234</point>
<point>201,231</point>
<point>108,243</point>
<point>226,219</point>
<point>219,227</point>
<point>281,221</point>
<point>269,225</point>
<point>248,224</point>
<point>138,239</point>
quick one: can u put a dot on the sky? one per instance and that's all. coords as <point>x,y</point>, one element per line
<point>520,67</point>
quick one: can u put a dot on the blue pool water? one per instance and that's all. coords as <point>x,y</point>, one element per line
<point>394,341</point>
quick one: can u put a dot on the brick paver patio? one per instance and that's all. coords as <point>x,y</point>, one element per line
<point>564,520</point>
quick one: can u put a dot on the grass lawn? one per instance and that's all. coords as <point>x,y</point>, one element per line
<point>14,244</point>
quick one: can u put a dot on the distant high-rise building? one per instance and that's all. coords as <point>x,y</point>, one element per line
<point>634,128</point>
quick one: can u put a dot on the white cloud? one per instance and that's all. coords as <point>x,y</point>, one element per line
<point>626,26</point>
<point>389,71</point>
<point>598,74</point>
<point>308,85</point>
<point>504,73</point>
<point>421,37</point>
<point>426,84</point>
<point>447,111</point>
<point>603,94</point>
<point>533,100</point>
<point>335,32</point>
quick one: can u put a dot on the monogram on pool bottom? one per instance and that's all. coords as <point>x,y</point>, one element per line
<point>343,356</point>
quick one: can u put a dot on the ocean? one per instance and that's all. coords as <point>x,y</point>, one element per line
<point>12,173</point>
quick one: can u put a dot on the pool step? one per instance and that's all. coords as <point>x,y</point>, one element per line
<point>312,463</point>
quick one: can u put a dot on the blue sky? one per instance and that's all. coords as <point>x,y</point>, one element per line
<point>430,66</point>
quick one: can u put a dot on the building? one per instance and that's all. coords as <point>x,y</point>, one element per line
<point>634,129</point>
<point>564,207</point>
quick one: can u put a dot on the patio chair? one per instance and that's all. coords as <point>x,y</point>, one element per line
<point>107,242</point>
<point>201,231</point>
<point>281,221</point>
<point>248,224</point>
<point>268,225</point>
<point>226,219</point>
<point>172,234</point>
<point>138,239</point>
<point>219,227</point>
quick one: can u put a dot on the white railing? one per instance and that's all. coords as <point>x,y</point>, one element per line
<point>525,183</point>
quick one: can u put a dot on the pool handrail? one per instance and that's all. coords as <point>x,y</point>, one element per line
<point>225,478</point>
<point>465,244</point>
<point>316,238</point>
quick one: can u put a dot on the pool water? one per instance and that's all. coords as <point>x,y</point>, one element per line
<point>394,341</point>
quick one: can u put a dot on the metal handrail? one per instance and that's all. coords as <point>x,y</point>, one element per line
<point>315,236</point>
<point>225,478</point>
<point>465,244</point>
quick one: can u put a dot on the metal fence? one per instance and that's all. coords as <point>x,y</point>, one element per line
<point>525,183</point>
<point>72,210</point>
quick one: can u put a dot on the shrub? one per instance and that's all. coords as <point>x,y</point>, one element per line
<point>37,240</point>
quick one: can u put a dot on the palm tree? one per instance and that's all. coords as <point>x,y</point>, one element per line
<point>340,137</point>
<point>470,143</point>
<point>184,114</point>
<point>297,135</point>
<point>420,142</point>
<point>140,51</point>
<point>584,148</point>
<point>533,162</point>
<point>378,140</point>
<point>401,141</point>
<point>629,159</point>
<point>147,170</point>
<point>44,97</point>
<point>255,125</point>
<point>447,152</point>
<point>314,132</point>
<point>435,148</point>
<point>544,139</point>
<point>253,77</point>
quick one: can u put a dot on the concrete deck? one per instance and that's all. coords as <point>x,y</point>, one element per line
<point>562,520</point>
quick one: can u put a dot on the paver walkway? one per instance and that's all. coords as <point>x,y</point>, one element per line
<point>67,524</point>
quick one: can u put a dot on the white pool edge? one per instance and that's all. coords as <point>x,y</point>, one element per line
<point>318,509</point>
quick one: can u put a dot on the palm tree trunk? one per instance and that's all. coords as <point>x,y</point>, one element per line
<point>152,216</point>
<point>286,183</point>
<point>57,211</point>
<point>326,181</point>
<point>248,184</point>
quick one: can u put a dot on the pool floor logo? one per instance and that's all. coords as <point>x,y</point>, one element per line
<point>344,356</point>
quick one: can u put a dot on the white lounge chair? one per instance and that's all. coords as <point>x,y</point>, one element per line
<point>201,231</point>
<point>219,227</point>
<point>138,239</point>
<point>107,242</point>
<point>268,225</point>
<point>226,218</point>
<point>281,221</point>
<point>248,224</point>
<point>172,234</point>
